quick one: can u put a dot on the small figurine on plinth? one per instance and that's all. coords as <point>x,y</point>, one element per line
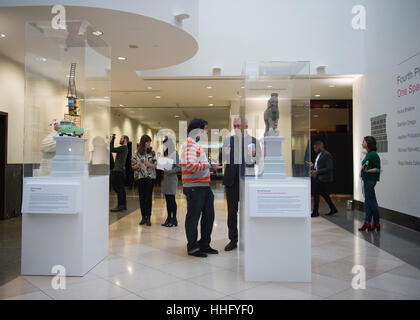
<point>271,116</point>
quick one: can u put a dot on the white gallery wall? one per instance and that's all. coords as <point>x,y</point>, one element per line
<point>392,50</point>
<point>123,125</point>
<point>12,85</point>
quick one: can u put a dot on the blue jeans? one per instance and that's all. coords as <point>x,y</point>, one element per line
<point>371,205</point>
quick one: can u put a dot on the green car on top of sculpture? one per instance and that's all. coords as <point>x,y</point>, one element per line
<point>68,128</point>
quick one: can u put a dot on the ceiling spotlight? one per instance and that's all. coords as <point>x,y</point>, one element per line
<point>317,95</point>
<point>121,105</point>
<point>181,16</point>
<point>2,35</point>
<point>209,87</point>
<point>177,116</point>
<point>41,59</point>
<point>316,116</point>
<point>210,97</point>
<point>331,86</point>
<point>149,88</point>
<point>122,58</point>
<point>106,97</point>
<point>97,33</point>
<point>133,46</point>
<point>211,104</point>
<point>157,97</point>
<point>269,86</point>
<point>243,87</point>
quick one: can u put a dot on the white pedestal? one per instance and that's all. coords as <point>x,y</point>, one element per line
<point>75,237</point>
<point>275,229</point>
<point>65,215</point>
<point>274,165</point>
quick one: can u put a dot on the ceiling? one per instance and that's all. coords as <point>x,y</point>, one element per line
<point>159,44</point>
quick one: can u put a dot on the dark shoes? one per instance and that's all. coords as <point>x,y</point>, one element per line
<point>333,211</point>
<point>146,221</point>
<point>118,209</point>
<point>231,245</point>
<point>209,250</point>
<point>314,214</point>
<point>198,253</point>
<point>166,223</point>
<point>170,223</point>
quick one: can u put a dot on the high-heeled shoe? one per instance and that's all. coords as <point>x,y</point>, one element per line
<point>376,226</point>
<point>365,226</point>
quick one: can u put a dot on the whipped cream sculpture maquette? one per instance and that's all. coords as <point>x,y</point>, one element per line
<point>271,116</point>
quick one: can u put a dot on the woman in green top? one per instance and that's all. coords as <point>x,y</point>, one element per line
<point>371,168</point>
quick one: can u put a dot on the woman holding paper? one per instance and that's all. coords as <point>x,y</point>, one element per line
<point>144,166</point>
<point>169,163</point>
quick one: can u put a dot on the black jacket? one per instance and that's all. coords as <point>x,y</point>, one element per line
<point>234,170</point>
<point>325,167</point>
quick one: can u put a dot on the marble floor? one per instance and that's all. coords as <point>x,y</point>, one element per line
<point>151,263</point>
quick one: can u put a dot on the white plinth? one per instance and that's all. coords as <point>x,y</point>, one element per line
<point>275,229</point>
<point>69,159</point>
<point>74,236</point>
<point>274,165</point>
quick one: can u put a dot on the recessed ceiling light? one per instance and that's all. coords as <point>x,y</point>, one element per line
<point>2,35</point>
<point>97,33</point>
<point>210,97</point>
<point>211,104</point>
<point>209,87</point>
<point>149,88</point>
<point>93,88</point>
<point>157,97</point>
<point>316,116</point>
<point>106,97</point>
<point>121,105</point>
<point>317,95</point>
<point>177,116</point>
<point>331,86</point>
<point>41,59</point>
<point>269,86</point>
<point>122,58</point>
<point>243,87</point>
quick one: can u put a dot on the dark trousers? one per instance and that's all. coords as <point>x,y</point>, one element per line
<point>232,197</point>
<point>200,202</point>
<point>171,206</point>
<point>117,179</point>
<point>371,204</point>
<point>145,187</point>
<point>321,188</point>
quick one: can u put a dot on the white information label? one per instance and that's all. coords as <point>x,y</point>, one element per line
<point>51,198</point>
<point>288,200</point>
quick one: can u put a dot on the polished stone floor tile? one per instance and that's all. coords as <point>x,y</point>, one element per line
<point>189,268</point>
<point>396,283</point>
<point>37,295</point>
<point>16,287</point>
<point>273,291</point>
<point>369,294</point>
<point>45,282</point>
<point>225,281</point>
<point>182,290</point>
<point>89,290</point>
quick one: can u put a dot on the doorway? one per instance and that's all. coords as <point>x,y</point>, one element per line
<point>3,162</point>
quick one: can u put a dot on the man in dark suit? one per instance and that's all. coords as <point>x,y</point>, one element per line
<point>322,176</point>
<point>237,163</point>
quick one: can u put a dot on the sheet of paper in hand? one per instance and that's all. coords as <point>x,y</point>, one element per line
<point>164,163</point>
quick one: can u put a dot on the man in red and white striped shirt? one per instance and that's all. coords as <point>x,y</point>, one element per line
<point>196,186</point>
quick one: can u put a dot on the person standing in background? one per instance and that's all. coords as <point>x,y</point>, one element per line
<point>371,170</point>
<point>196,187</point>
<point>144,166</point>
<point>118,173</point>
<point>322,176</point>
<point>128,169</point>
<point>233,152</point>
<point>170,182</point>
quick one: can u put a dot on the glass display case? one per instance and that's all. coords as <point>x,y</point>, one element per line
<point>67,95</point>
<point>275,220</point>
<point>65,203</point>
